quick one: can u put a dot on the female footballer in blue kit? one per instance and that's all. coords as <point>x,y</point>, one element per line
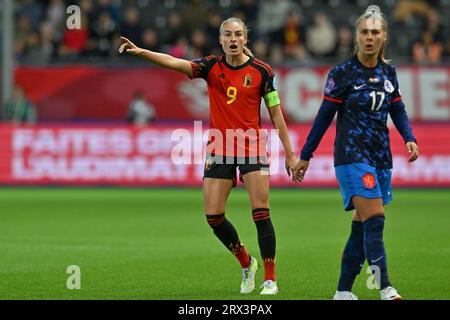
<point>363,91</point>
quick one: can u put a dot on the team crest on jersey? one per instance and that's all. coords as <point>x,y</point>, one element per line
<point>369,181</point>
<point>247,80</point>
<point>329,86</point>
<point>388,86</point>
<point>374,80</point>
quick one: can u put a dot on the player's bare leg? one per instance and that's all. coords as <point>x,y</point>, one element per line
<point>215,194</point>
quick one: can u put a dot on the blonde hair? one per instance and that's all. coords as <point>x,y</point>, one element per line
<point>374,11</point>
<point>247,51</point>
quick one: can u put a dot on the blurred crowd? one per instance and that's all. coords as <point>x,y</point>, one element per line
<point>282,31</point>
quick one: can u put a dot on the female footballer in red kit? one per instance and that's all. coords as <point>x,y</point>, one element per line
<point>236,83</point>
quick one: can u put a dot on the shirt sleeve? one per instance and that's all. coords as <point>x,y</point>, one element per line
<point>333,98</point>
<point>321,123</point>
<point>202,66</point>
<point>396,95</point>
<point>335,86</point>
<point>398,114</point>
<point>267,84</point>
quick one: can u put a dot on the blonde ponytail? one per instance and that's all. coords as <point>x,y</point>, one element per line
<point>248,52</point>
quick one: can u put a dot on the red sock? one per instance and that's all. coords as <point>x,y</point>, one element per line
<point>242,255</point>
<point>269,269</point>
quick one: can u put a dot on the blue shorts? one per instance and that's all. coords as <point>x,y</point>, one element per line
<point>361,179</point>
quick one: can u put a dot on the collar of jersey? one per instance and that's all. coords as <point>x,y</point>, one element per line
<point>355,58</point>
<point>242,66</point>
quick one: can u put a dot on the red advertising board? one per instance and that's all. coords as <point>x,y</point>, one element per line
<point>173,156</point>
<point>89,93</point>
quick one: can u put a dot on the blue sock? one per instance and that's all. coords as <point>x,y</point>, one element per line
<point>352,258</point>
<point>374,248</point>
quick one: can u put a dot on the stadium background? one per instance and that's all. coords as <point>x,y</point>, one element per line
<point>127,239</point>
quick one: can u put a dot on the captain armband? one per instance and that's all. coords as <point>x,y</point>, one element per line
<point>272,99</point>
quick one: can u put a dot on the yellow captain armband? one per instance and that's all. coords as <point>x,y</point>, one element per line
<point>272,99</point>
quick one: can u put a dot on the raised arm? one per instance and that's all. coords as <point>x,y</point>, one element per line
<point>161,59</point>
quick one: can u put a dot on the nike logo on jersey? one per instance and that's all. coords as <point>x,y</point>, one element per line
<point>378,259</point>
<point>359,87</point>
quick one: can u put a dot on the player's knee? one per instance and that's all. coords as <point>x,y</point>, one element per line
<point>213,206</point>
<point>261,202</point>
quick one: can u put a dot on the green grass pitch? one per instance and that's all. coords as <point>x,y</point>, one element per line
<point>156,244</point>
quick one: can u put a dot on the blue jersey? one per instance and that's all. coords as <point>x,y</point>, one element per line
<point>362,97</point>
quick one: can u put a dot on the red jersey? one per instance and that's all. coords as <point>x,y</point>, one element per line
<point>235,99</point>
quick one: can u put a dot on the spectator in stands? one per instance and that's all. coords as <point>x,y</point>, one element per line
<point>195,14</point>
<point>276,55</point>
<point>88,9</point>
<point>436,28</point>
<point>344,44</point>
<point>180,49</point>
<point>104,30</point>
<point>429,48</point>
<point>272,17</point>
<point>150,39</point>
<point>21,39</point>
<point>261,49</point>
<point>174,29</point>
<point>321,36</point>
<point>294,37</point>
<point>19,109</point>
<point>213,24</point>
<point>426,50</point>
<point>250,10</point>
<point>55,13</point>
<point>131,28</point>
<point>33,10</point>
<point>75,42</point>
<point>279,22</point>
<point>107,6</point>
<point>42,46</point>
<point>140,111</point>
<point>199,44</point>
<point>405,9</point>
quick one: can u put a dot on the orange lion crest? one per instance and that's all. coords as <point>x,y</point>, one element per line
<point>369,181</point>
